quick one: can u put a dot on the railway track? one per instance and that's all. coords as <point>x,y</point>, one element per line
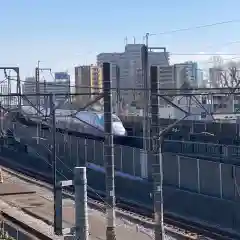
<point>175,226</point>
<point>18,230</point>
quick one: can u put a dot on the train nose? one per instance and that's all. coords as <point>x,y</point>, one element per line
<point>118,129</point>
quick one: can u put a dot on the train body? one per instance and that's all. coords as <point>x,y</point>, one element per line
<point>89,122</point>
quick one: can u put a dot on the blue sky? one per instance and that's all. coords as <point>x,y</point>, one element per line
<point>65,33</point>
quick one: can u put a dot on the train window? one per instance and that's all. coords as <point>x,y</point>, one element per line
<point>115,119</point>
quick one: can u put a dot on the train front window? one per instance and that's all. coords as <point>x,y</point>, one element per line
<point>115,119</point>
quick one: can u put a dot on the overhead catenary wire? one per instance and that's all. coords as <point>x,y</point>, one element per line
<point>196,27</point>
<point>195,54</point>
<point>171,90</point>
<point>204,54</point>
<point>193,28</point>
<point>80,87</point>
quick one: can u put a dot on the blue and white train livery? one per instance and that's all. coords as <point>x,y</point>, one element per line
<point>83,121</point>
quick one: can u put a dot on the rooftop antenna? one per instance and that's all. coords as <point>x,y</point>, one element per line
<point>125,40</point>
<point>134,40</point>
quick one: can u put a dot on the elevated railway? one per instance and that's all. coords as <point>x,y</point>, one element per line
<point>200,147</point>
<point>201,170</point>
<point>140,208</point>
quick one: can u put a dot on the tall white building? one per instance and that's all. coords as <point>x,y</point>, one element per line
<point>179,76</point>
<point>130,64</point>
<point>215,76</point>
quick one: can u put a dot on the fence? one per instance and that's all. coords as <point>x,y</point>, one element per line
<point>127,159</point>
<point>187,182</point>
<point>72,151</point>
<point>11,232</point>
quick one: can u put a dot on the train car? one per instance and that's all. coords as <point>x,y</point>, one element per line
<point>83,121</point>
<point>93,122</point>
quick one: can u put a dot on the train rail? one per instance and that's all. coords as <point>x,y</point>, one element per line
<point>18,230</point>
<point>175,226</point>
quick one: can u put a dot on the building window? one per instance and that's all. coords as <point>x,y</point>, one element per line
<point>204,100</point>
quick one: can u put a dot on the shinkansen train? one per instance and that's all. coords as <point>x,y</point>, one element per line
<point>83,121</point>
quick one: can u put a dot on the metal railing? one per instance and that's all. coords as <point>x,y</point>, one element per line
<point>9,231</point>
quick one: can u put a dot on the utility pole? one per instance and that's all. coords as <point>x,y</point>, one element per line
<point>157,140</point>
<point>9,92</point>
<point>118,89</point>
<point>238,127</point>
<point>1,115</point>
<point>45,97</point>
<point>146,38</point>
<point>37,79</point>
<point>81,208</point>
<point>53,154</point>
<point>108,153</point>
<point>146,136</point>
<point>158,157</point>
<point>148,94</point>
<point>18,87</point>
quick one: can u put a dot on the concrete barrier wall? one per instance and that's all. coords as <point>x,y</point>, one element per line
<point>226,129</point>
<point>218,211</point>
<point>200,176</point>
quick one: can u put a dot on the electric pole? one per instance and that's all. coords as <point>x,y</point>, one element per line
<point>18,88</point>
<point>109,153</point>
<point>38,102</point>
<point>146,136</point>
<point>45,97</point>
<point>118,89</point>
<point>146,38</point>
<point>157,168</point>
<point>9,92</point>
<point>37,97</point>
<point>53,154</point>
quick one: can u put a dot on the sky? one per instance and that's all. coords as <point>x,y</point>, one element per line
<point>63,34</point>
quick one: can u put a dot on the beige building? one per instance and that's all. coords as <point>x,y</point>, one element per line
<point>96,79</point>
<point>88,80</point>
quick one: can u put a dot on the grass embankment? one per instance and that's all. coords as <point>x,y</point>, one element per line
<point>5,236</point>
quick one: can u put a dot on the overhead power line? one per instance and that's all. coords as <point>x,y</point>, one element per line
<point>206,54</point>
<point>195,27</point>
<point>223,44</point>
<point>74,86</point>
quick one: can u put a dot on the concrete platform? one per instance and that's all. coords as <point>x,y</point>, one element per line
<point>14,189</point>
<point>43,210</point>
<point>32,223</point>
<point>35,205</point>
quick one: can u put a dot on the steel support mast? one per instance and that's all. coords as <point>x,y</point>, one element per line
<point>146,126</point>
<point>109,153</point>
<point>118,92</point>
<point>37,98</point>
<point>54,156</point>
<point>157,168</point>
